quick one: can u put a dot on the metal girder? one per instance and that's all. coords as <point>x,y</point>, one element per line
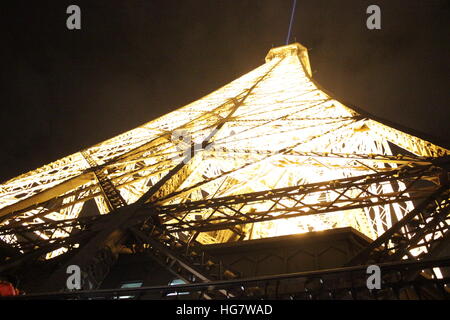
<point>348,283</point>
<point>112,233</point>
<point>416,235</point>
<point>399,159</point>
<point>319,163</point>
<point>40,249</point>
<point>44,196</point>
<point>349,193</point>
<point>111,194</point>
<point>184,260</point>
<point>408,142</point>
<point>226,212</point>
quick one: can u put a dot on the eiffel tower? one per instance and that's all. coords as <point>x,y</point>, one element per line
<point>271,155</point>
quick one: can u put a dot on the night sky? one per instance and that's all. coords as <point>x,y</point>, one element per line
<point>132,61</point>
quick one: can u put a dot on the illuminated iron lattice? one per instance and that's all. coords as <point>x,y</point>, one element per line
<point>269,154</point>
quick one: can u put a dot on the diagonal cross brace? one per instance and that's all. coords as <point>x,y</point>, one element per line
<point>435,208</point>
<point>114,232</point>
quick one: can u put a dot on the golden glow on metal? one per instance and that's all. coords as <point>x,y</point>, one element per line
<point>283,133</point>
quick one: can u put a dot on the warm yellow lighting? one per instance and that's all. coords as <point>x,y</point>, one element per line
<point>281,130</point>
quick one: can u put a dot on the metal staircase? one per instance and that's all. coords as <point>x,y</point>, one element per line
<point>112,195</point>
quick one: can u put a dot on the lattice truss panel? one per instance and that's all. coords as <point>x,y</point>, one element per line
<point>268,154</point>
